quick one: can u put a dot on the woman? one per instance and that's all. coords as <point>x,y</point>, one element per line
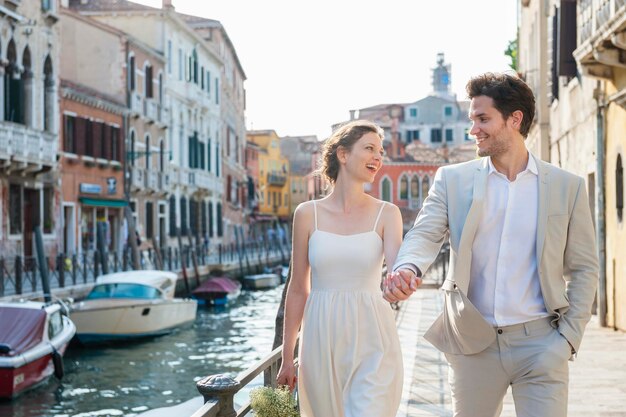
<point>350,364</point>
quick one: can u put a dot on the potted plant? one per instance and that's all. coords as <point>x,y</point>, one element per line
<point>273,402</point>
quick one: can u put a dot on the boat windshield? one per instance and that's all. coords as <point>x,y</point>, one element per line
<point>121,290</point>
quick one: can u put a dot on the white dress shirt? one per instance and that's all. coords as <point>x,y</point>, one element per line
<point>504,282</point>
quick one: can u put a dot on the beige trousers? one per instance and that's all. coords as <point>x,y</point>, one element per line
<point>531,357</point>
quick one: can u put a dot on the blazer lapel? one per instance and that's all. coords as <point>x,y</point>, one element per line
<point>542,208</point>
<point>471,224</point>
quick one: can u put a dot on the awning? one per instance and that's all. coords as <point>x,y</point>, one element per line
<point>103,202</point>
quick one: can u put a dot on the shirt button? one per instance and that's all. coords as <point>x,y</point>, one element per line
<point>499,331</point>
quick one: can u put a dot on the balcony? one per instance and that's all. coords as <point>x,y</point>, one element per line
<point>207,183</point>
<point>163,117</point>
<point>138,181</point>
<point>26,150</point>
<point>136,105</point>
<point>163,181</point>
<point>150,109</point>
<point>602,43</point>
<point>276,178</point>
<point>152,180</point>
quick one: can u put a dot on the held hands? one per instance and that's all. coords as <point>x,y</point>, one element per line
<point>399,285</point>
<point>287,375</point>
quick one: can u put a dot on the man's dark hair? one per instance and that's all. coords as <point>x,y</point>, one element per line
<point>508,93</point>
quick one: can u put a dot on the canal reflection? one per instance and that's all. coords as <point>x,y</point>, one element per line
<point>126,380</point>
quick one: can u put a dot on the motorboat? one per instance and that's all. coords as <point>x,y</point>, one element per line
<point>217,291</point>
<point>261,281</point>
<point>33,338</point>
<point>131,305</point>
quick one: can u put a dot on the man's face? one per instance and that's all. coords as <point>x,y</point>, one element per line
<point>492,132</point>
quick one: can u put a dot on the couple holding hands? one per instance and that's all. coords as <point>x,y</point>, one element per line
<point>517,297</point>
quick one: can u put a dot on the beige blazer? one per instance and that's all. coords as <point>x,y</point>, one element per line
<point>566,251</point>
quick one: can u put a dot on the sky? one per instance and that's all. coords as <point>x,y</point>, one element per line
<point>309,62</point>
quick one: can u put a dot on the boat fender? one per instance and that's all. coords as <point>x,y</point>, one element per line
<point>57,360</point>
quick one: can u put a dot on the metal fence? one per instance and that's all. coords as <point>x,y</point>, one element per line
<point>21,275</point>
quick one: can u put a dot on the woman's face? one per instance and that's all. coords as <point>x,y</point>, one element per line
<point>365,158</point>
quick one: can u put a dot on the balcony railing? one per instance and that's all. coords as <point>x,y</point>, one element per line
<point>597,15</point>
<point>138,178</point>
<point>152,180</point>
<point>164,181</point>
<point>274,178</point>
<point>26,145</point>
<point>136,106</point>
<point>151,109</point>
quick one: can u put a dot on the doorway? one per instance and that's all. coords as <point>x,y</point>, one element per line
<point>69,230</point>
<point>31,219</point>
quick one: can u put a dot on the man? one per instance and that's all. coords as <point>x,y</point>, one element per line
<point>523,267</point>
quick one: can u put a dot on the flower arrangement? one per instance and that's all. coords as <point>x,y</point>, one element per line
<point>273,402</point>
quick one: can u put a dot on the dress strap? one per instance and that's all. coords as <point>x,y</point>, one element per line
<point>315,213</point>
<point>382,206</point>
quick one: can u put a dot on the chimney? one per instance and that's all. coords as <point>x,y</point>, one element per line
<point>352,114</point>
<point>167,4</point>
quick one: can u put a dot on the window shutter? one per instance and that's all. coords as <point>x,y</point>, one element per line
<point>567,38</point>
<point>80,139</point>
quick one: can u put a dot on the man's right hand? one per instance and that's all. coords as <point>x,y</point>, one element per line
<point>400,285</point>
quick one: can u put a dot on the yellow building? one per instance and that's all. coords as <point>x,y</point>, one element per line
<point>273,182</point>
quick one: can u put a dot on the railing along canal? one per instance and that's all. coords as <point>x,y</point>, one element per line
<point>19,275</point>
<point>219,390</point>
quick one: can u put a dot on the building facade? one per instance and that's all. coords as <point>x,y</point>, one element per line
<point>193,93</point>
<point>93,112</point>
<point>571,56</point>
<point>29,109</point>
<point>599,54</point>
<point>273,180</point>
<point>298,150</point>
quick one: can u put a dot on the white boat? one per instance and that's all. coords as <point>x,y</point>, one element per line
<point>261,281</point>
<point>131,305</point>
<point>33,339</point>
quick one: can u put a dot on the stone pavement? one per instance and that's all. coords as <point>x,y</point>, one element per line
<point>597,376</point>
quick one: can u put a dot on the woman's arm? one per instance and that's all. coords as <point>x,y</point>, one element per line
<point>297,292</point>
<point>392,233</point>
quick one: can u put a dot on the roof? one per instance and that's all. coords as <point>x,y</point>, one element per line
<point>197,22</point>
<point>109,6</point>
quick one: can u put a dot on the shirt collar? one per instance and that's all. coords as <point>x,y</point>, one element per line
<point>531,166</point>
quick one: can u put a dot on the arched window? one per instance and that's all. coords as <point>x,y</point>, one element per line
<point>148,153</point>
<point>386,189</point>
<point>132,155</point>
<point>220,221</point>
<point>13,88</point>
<point>173,216</point>
<point>161,155</point>
<point>203,222</point>
<point>210,219</point>
<point>619,188</point>
<point>131,73</point>
<point>415,188</point>
<point>49,95</point>
<point>425,187</point>
<point>404,188</point>
<point>148,81</point>
<point>183,216</point>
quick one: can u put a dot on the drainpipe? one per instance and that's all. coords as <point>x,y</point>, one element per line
<point>600,205</point>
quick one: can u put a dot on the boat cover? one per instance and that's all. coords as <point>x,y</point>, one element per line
<point>217,285</point>
<point>20,329</point>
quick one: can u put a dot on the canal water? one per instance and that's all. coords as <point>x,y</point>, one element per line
<point>129,379</point>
